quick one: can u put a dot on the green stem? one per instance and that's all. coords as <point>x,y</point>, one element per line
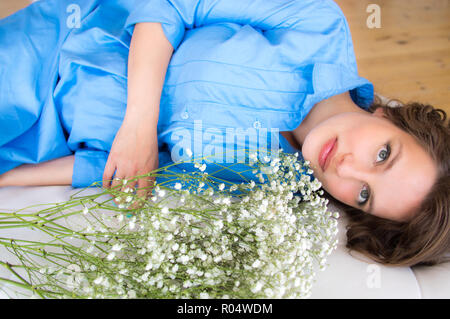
<point>24,282</point>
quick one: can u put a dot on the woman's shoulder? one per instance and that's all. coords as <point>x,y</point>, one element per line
<point>337,98</point>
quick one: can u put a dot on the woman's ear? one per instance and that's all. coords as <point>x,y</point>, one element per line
<point>379,112</point>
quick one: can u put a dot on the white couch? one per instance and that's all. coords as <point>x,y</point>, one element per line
<point>346,276</point>
<point>351,275</point>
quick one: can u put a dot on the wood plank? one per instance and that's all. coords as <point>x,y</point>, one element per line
<point>8,7</point>
<point>408,58</point>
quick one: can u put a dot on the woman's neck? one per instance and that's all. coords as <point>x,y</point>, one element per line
<point>322,111</point>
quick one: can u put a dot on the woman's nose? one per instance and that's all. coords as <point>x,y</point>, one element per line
<point>349,166</point>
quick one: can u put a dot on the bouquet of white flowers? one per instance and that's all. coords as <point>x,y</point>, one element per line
<point>200,238</point>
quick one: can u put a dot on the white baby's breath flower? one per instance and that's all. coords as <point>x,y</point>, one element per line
<point>218,224</point>
<point>257,287</point>
<point>268,292</point>
<point>117,247</point>
<point>74,268</point>
<point>131,294</point>
<point>226,201</point>
<point>99,280</point>
<point>187,284</point>
<point>204,295</point>
<point>162,193</point>
<point>128,190</point>
<point>183,259</point>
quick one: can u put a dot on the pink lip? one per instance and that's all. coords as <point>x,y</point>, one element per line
<point>326,153</point>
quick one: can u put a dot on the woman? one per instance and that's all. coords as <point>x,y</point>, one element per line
<point>287,65</point>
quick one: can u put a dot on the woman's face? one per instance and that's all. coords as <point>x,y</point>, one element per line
<point>365,161</point>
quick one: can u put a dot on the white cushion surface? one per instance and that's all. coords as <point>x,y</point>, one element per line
<point>434,282</point>
<point>356,276</point>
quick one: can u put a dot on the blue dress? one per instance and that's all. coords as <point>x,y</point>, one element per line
<point>252,65</point>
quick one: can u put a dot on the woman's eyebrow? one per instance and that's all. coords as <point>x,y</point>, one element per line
<point>395,159</point>
<point>371,200</point>
<point>388,166</point>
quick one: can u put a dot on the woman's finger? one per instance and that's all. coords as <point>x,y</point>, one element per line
<point>108,174</point>
<point>144,189</point>
<point>129,186</point>
<point>116,180</point>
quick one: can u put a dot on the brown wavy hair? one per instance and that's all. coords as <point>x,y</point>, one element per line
<point>425,238</point>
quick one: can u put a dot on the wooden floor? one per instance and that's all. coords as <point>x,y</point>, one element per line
<point>10,6</point>
<point>408,58</point>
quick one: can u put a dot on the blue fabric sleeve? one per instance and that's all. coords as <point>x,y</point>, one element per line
<point>88,167</point>
<point>160,11</point>
<point>176,16</point>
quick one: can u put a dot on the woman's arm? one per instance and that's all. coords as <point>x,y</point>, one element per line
<point>54,172</point>
<point>135,147</point>
<point>149,57</point>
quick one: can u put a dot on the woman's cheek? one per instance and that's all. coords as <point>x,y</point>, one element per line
<point>307,149</point>
<point>310,152</point>
<point>343,191</point>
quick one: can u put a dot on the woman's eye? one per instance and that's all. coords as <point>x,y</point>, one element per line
<point>384,153</point>
<point>363,196</point>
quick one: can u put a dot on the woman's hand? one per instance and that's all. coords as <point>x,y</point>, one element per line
<point>134,152</point>
<point>135,147</point>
